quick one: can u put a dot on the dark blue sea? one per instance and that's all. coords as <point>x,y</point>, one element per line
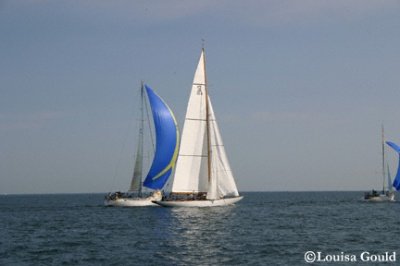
<point>265,228</point>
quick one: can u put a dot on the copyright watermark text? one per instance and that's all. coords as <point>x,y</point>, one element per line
<point>365,256</point>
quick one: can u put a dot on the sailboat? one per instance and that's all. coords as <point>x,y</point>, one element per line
<point>203,177</point>
<point>167,146</point>
<point>386,194</point>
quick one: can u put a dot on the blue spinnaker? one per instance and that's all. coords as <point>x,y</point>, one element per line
<point>396,182</point>
<point>167,142</point>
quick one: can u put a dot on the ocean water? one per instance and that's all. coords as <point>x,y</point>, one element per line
<point>265,228</point>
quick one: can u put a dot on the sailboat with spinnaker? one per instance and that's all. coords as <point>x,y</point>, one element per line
<point>386,194</point>
<point>167,144</point>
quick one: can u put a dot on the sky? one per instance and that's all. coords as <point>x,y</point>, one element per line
<point>300,88</point>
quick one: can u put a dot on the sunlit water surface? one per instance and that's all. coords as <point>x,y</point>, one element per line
<point>265,228</point>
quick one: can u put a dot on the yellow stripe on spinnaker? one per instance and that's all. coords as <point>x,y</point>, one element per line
<point>175,155</point>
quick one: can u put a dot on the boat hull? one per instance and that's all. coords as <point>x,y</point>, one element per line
<point>380,198</point>
<point>133,202</point>
<point>126,202</point>
<point>199,203</point>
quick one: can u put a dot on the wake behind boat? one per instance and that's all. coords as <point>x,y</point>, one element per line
<point>203,177</point>
<point>386,194</point>
<point>167,143</point>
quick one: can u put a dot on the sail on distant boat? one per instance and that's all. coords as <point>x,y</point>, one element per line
<point>167,144</point>
<point>396,182</point>
<point>203,177</point>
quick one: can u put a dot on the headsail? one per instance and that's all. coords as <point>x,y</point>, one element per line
<point>220,168</point>
<point>167,142</point>
<point>396,182</point>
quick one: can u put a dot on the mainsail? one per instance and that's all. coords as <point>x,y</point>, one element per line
<point>167,142</point>
<point>202,165</point>
<point>396,182</point>
<point>136,183</point>
<point>389,179</point>
<point>191,167</point>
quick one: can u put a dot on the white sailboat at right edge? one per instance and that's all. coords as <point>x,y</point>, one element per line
<point>387,194</point>
<point>203,177</point>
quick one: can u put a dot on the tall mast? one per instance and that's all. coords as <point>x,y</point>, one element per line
<point>383,158</point>
<point>207,120</point>
<point>141,134</point>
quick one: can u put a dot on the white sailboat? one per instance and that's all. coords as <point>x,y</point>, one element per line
<point>167,143</point>
<point>386,194</point>
<point>203,177</point>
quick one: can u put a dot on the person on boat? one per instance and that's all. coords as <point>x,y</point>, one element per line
<point>117,195</point>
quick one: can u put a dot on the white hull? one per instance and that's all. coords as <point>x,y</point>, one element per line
<point>381,198</point>
<point>127,202</point>
<point>134,202</point>
<point>199,203</point>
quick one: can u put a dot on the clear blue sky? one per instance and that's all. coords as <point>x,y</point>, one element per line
<point>300,88</point>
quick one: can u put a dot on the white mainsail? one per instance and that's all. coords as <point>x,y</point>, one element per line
<point>202,165</point>
<point>136,183</point>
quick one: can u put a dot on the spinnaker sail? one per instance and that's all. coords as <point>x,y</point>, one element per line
<point>167,142</point>
<point>396,182</point>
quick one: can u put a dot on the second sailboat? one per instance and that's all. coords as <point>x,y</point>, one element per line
<point>203,177</point>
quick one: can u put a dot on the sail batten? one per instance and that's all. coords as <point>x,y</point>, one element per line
<point>194,155</point>
<point>196,119</point>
